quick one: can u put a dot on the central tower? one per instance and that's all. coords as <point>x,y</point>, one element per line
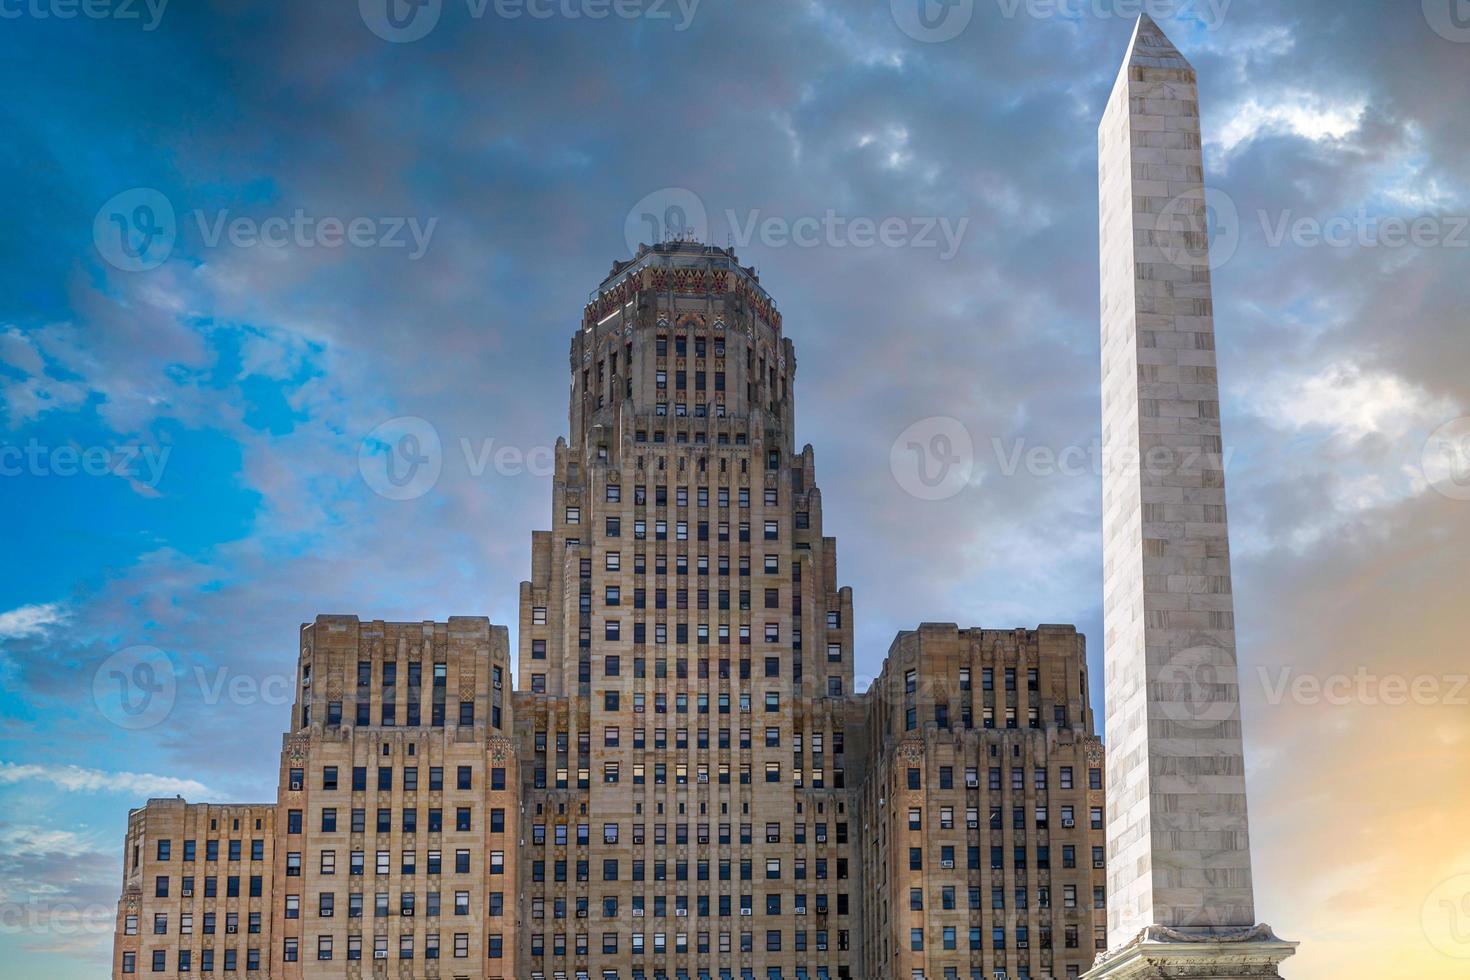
<point>685,650</point>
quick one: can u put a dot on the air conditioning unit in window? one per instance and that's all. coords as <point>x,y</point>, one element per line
<point>380,954</point>
<point>1098,864</point>
<point>637,913</point>
<point>681,913</point>
<point>295,786</point>
<point>704,777</point>
<point>801,910</point>
<point>581,913</point>
<point>972,782</point>
<point>821,838</point>
<point>946,865</point>
<point>232,929</point>
<point>704,840</point>
<point>1022,944</point>
<point>821,947</point>
<point>973,824</point>
<point>638,840</point>
<point>406,912</point>
<point>1069,823</point>
<point>746,912</point>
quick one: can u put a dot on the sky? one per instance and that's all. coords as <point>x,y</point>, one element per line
<point>244,241</point>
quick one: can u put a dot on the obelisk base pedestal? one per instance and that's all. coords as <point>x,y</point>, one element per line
<point>1162,953</point>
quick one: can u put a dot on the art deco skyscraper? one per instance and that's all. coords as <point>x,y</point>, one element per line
<point>1179,872</point>
<point>686,652</point>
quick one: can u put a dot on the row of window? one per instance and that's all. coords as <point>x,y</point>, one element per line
<point>658,944</point>
<point>915,777</point>
<point>612,737</point>
<point>164,849</point>
<point>1021,896</point>
<point>357,861</point>
<point>725,868</point>
<point>613,493</point>
<point>383,824</point>
<point>330,778</point>
<point>325,950</point>
<point>613,528</point>
<point>948,938</point>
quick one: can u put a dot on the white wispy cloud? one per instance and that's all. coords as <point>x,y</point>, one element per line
<point>29,841</point>
<point>32,620</point>
<point>75,779</point>
<point>1348,402</point>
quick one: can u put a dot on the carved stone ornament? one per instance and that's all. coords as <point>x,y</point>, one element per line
<point>1164,953</point>
<point>501,748</point>
<point>912,749</point>
<point>296,750</point>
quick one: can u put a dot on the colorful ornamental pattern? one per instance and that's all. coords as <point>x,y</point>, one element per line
<point>683,281</point>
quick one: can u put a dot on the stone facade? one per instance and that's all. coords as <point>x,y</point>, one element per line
<point>1179,888</point>
<point>684,783</point>
<point>198,891</point>
<point>982,807</point>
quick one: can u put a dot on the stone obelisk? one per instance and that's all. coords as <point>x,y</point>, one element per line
<point>1180,901</point>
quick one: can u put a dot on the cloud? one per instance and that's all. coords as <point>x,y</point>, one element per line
<point>75,779</point>
<point>1349,402</point>
<point>28,621</point>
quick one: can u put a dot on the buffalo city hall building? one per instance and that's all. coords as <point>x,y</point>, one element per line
<point>682,782</point>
